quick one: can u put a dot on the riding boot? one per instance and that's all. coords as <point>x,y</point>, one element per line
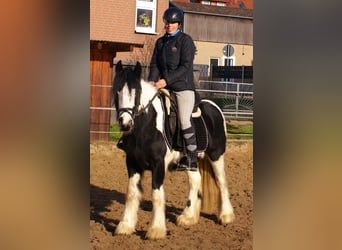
<point>189,161</point>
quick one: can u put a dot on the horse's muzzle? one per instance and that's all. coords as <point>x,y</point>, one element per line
<point>125,127</point>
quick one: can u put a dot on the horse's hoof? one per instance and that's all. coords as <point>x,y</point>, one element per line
<point>183,220</point>
<point>124,228</point>
<point>156,233</point>
<point>226,218</point>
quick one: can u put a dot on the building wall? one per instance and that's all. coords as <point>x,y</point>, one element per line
<point>114,20</point>
<point>144,54</point>
<point>243,54</point>
<point>108,21</point>
<point>229,3</point>
<point>219,28</point>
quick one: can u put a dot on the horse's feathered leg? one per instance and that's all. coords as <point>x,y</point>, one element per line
<point>226,212</point>
<point>191,212</point>
<point>157,229</point>
<point>133,197</point>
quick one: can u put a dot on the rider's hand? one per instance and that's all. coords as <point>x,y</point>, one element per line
<point>160,84</point>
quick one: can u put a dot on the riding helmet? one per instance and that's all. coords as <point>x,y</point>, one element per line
<point>173,14</point>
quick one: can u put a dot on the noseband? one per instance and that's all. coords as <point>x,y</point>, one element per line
<point>131,111</point>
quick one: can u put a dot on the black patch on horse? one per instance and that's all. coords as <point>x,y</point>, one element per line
<point>145,147</point>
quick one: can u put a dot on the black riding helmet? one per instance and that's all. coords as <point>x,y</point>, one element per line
<point>173,14</point>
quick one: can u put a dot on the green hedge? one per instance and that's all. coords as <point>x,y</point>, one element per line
<point>115,133</point>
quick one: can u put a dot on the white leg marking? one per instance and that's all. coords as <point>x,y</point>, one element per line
<point>133,197</point>
<point>191,212</point>
<point>157,229</point>
<point>226,214</point>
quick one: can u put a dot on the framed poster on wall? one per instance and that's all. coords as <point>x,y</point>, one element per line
<point>145,17</point>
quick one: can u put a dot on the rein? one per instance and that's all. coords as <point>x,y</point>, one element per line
<point>134,112</point>
<point>143,109</point>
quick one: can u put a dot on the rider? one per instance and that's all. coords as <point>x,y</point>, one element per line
<point>172,68</point>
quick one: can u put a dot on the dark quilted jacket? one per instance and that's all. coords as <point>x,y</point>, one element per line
<point>172,60</point>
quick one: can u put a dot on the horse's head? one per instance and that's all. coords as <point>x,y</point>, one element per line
<point>126,94</point>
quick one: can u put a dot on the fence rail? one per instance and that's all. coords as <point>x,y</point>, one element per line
<point>234,98</point>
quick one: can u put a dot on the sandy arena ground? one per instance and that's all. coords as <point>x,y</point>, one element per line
<point>108,182</point>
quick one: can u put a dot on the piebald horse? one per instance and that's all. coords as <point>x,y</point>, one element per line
<point>141,118</point>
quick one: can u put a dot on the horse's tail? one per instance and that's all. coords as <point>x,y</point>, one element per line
<point>210,191</point>
<point>216,125</point>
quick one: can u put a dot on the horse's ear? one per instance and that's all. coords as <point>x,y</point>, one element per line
<point>118,67</point>
<point>137,69</point>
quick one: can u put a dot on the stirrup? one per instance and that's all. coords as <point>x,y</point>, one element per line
<point>186,165</point>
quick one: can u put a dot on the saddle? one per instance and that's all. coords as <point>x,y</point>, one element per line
<point>173,132</point>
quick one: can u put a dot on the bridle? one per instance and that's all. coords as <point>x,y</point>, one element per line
<point>135,111</point>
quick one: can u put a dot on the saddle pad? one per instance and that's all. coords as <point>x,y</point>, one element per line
<point>201,134</point>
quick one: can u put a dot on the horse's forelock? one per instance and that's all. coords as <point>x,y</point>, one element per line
<point>128,76</point>
<point>133,80</point>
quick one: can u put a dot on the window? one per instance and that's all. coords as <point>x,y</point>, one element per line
<point>145,16</point>
<point>228,61</point>
<point>220,4</point>
<point>214,61</point>
<point>205,2</point>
